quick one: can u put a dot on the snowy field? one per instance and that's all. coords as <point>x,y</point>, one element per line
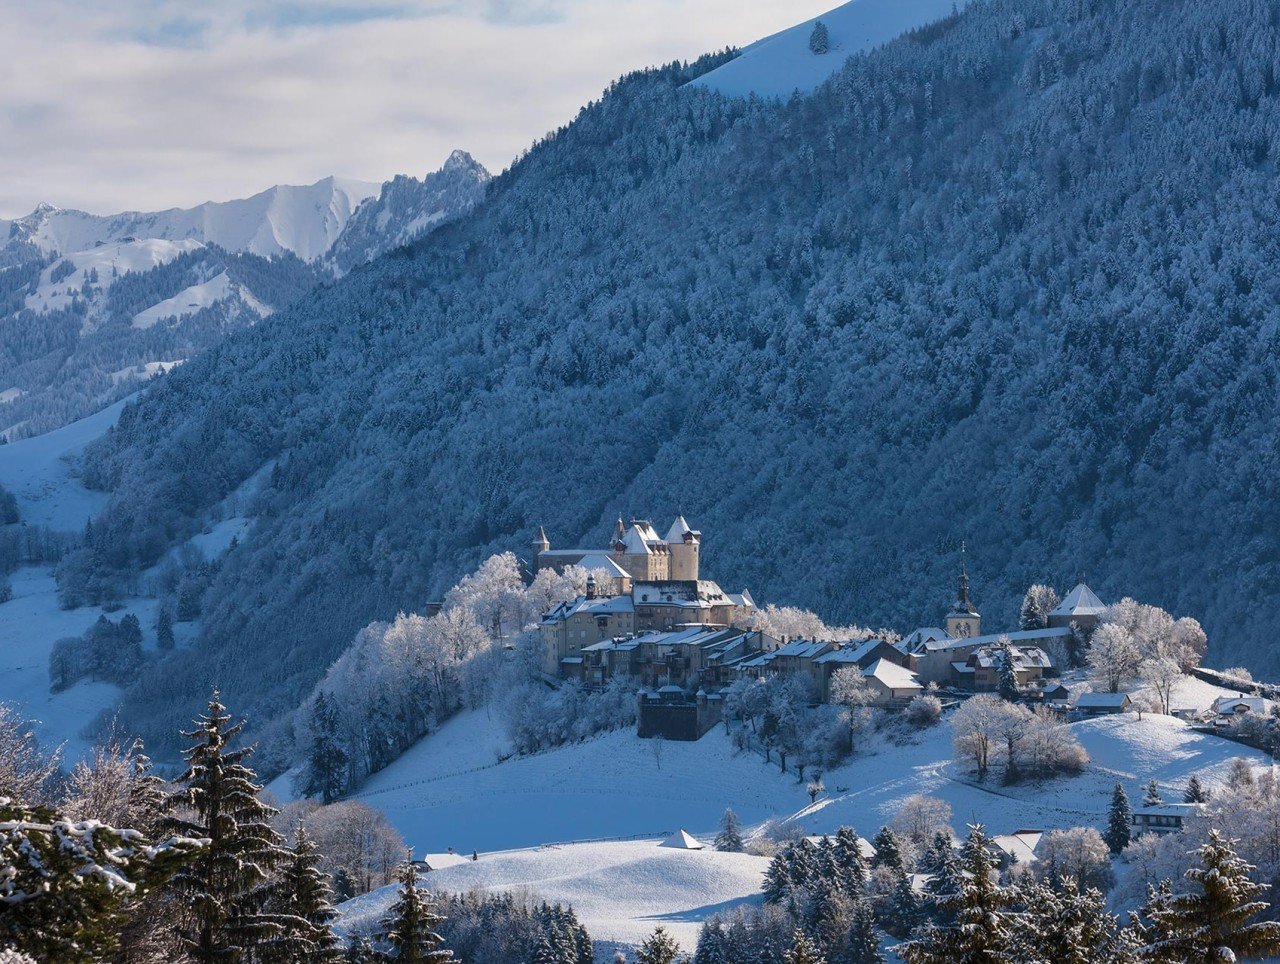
<point>40,474</point>
<point>781,64</point>
<point>620,891</point>
<point>450,790</point>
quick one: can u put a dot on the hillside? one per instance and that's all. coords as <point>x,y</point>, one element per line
<point>1006,280</point>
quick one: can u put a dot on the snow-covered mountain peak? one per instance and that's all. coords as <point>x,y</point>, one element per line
<point>782,64</point>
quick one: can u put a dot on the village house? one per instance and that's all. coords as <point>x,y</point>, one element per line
<point>1224,709</point>
<point>690,658</point>
<point>891,683</point>
<point>1102,704</point>
<point>980,672</point>
<point>1163,817</point>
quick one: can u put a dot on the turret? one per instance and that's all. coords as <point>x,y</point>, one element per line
<point>683,544</point>
<point>591,585</point>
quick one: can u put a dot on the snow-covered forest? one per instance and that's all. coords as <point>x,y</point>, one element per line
<point>1006,279</point>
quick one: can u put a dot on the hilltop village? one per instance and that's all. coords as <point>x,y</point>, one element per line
<point>648,615</point>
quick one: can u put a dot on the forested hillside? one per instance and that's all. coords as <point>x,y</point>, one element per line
<point>1010,279</point>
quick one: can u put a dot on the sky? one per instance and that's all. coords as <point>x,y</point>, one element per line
<point>148,104</point>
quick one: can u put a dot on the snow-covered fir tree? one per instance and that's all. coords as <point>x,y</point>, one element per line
<point>226,886</point>
<point>1195,792</point>
<point>820,38</point>
<point>410,928</point>
<point>1151,794</point>
<point>301,905</point>
<point>803,950</point>
<point>729,838</point>
<point>658,948</point>
<point>1119,820</point>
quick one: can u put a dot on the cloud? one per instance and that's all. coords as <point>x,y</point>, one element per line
<point>143,105</point>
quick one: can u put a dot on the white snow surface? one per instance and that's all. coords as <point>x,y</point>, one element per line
<point>124,257</point>
<point>188,301</point>
<point>779,65</point>
<point>620,891</point>
<point>10,395</point>
<point>303,219</point>
<point>40,472</point>
<point>145,371</point>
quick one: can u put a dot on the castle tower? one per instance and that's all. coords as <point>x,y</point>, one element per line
<point>963,620</point>
<point>683,544</point>
<point>540,545</point>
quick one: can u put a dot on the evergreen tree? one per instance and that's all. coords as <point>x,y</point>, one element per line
<point>1119,821</point>
<point>164,630</point>
<point>942,865</point>
<point>326,760</point>
<point>713,943</point>
<point>777,877</point>
<point>225,887</point>
<point>902,909</point>
<point>729,839</point>
<point>803,950</point>
<point>888,850</point>
<point>1213,922</point>
<point>1196,793</point>
<point>658,948</point>
<point>66,886</point>
<point>1008,678</point>
<point>1151,794</point>
<point>851,868</point>
<point>819,38</point>
<point>980,934</point>
<point>862,946</point>
<point>410,926</point>
<point>1068,926</point>
<point>827,917</point>
<point>302,907</point>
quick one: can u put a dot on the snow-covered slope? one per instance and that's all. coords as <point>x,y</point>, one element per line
<point>303,219</point>
<point>620,891</point>
<point>781,64</point>
<point>108,261</point>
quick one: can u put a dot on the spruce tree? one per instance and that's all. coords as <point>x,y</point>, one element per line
<point>226,885</point>
<point>729,839</point>
<point>827,917</point>
<point>942,864</point>
<point>1214,921</point>
<point>851,868</point>
<point>1068,926</point>
<point>326,760</point>
<point>713,943</point>
<point>803,950</point>
<point>409,927</point>
<point>1196,793</point>
<point>1119,819</point>
<point>980,934</point>
<point>658,948</point>
<point>902,909</point>
<point>1151,794</point>
<point>819,38</point>
<point>302,907</point>
<point>888,850</point>
<point>862,946</point>
<point>1008,678</point>
<point>164,630</point>
<point>777,877</point>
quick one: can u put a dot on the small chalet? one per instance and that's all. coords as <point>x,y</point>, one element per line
<point>1226,708</point>
<point>980,672</point>
<point>892,683</point>
<point>1163,817</point>
<point>1098,704</point>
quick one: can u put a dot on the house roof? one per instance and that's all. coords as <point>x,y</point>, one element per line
<point>682,840</point>
<point>1251,704</point>
<point>598,560</point>
<point>441,861</point>
<point>1102,700</point>
<point>892,675</point>
<point>852,652</point>
<point>926,634</point>
<point>1081,601</point>
<point>678,528</point>
<point>1168,810</point>
<point>1026,636</point>
<point>1024,657</point>
<point>602,606</point>
<point>1020,845</point>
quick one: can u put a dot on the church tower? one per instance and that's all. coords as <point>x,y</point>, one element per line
<point>540,545</point>
<point>963,620</point>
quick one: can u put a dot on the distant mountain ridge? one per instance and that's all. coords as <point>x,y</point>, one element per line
<point>75,335</point>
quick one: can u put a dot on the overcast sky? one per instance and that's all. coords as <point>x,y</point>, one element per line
<point>146,104</point>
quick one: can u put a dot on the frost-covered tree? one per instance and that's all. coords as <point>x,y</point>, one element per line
<point>1067,925</point>
<point>888,850</point>
<point>217,800</point>
<point>1119,818</point>
<point>1213,921</point>
<point>658,948</point>
<point>1113,656</point>
<point>1078,854</point>
<point>1151,794</point>
<point>1195,792</point>
<point>164,630</point>
<point>802,950</point>
<point>729,838</point>
<point>326,773</point>
<point>819,38</point>
<point>850,866</point>
<point>920,819</point>
<point>1162,674</point>
<point>1008,676</point>
<point>409,929</point>
<point>1037,603</point>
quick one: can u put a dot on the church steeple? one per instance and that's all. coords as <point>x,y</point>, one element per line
<point>964,619</point>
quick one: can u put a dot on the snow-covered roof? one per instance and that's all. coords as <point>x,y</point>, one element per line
<point>926,634</point>
<point>634,542</point>
<point>1102,700</point>
<point>892,675</point>
<point>441,861</point>
<point>1242,704</point>
<point>1024,657</point>
<point>1030,636</point>
<point>676,533</point>
<point>682,840</point>
<point>742,599</point>
<point>1168,810</point>
<point>1081,601</point>
<point>851,653</point>
<point>572,660</point>
<point>598,560</point>
<point>1020,845</point>
<point>802,649</point>
<point>602,606</point>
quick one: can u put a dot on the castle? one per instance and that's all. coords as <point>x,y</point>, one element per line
<point>641,583</point>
